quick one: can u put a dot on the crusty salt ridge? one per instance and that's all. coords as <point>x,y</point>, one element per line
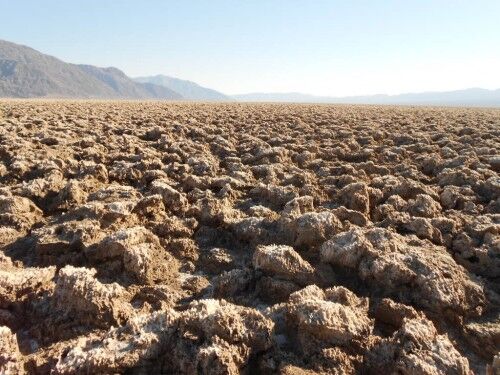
<point>149,237</point>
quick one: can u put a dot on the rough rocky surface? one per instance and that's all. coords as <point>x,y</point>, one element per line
<point>150,238</point>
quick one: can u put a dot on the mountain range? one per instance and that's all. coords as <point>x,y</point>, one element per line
<point>27,73</point>
<point>187,89</point>
<point>468,97</point>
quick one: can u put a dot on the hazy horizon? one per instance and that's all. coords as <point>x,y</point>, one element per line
<point>324,48</point>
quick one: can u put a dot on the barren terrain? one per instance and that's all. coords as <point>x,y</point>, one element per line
<point>148,237</point>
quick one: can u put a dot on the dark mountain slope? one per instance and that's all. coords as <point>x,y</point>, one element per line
<point>27,73</point>
<point>124,86</point>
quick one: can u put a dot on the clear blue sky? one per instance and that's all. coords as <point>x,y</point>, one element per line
<point>320,47</point>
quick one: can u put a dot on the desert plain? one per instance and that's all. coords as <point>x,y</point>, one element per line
<point>197,238</point>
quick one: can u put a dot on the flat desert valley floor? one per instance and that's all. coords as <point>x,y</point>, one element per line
<point>153,237</point>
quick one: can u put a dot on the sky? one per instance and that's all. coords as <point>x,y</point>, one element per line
<point>335,48</point>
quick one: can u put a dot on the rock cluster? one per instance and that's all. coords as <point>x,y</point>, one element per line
<point>148,237</point>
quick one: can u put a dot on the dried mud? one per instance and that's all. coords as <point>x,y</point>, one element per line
<point>146,238</point>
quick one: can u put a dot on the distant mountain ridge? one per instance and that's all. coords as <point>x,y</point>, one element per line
<point>27,73</point>
<point>467,97</point>
<point>188,89</point>
<point>121,83</point>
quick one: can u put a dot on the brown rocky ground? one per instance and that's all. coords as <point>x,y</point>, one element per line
<point>147,238</point>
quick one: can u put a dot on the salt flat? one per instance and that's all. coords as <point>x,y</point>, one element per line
<point>153,237</point>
